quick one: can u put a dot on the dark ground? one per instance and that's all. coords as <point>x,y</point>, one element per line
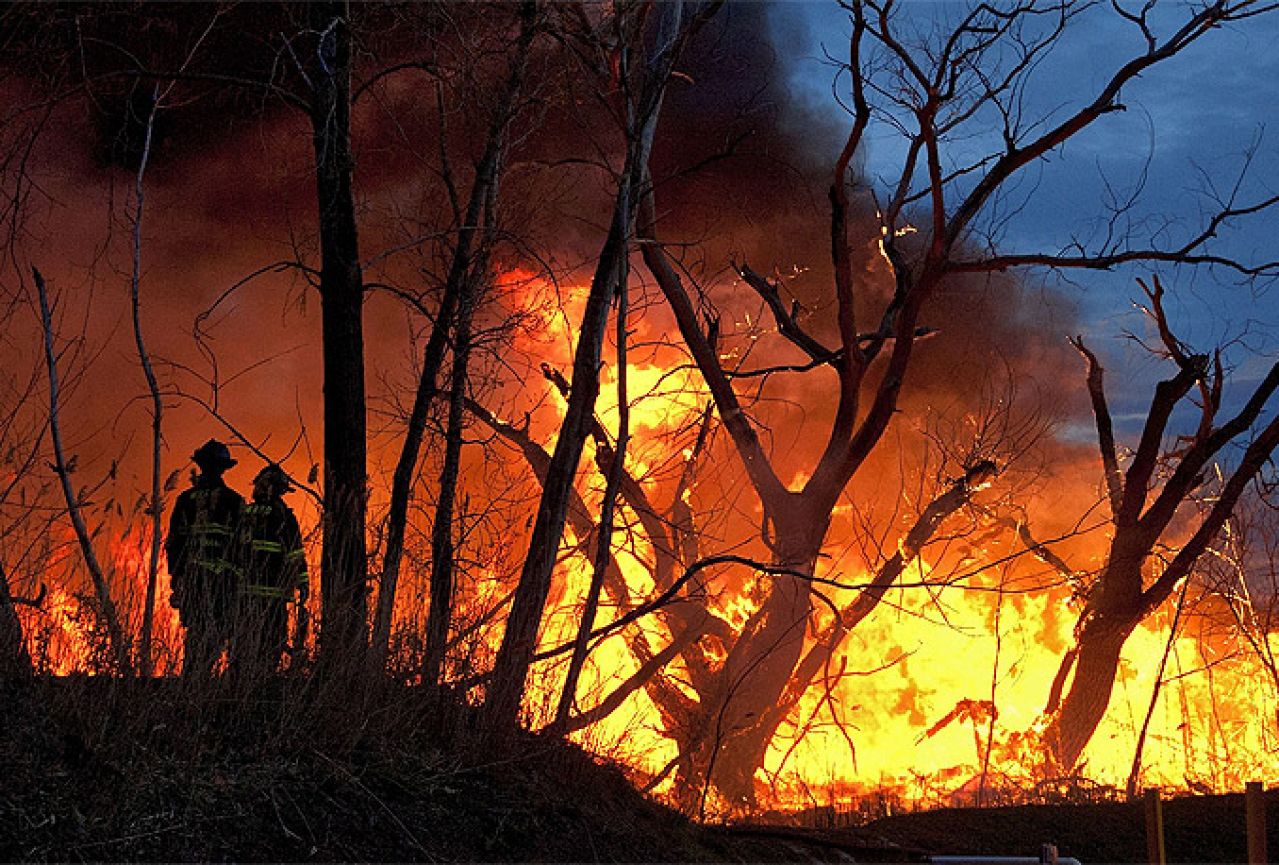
<point>105,770</point>
<point>112,770</point>
<point>1196,829</point>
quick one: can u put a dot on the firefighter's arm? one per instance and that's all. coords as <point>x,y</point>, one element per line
<point>295,557</point>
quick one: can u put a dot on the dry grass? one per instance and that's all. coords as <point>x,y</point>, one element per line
<point>279,769</point>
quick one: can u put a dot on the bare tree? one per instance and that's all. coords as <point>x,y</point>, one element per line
<point>154,509</point>
<point>64,466</point>
<point>344,564</point>
<point>1148,502</point>
<point>476,228</point>
<point>155,506</point>
<point>935,87</point>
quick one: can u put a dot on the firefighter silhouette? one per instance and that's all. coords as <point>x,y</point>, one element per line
<point>201,553</point>
<point>273,572</point>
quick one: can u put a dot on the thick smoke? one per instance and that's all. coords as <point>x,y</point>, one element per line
<point>743,165</point>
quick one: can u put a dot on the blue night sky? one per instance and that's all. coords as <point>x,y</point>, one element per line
<point>1189,122</point>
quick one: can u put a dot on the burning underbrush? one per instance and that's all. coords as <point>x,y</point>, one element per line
<point>938,704</point>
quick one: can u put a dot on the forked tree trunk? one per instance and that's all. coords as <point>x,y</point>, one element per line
<point>728,742</point>
<point>744,753</point>
<point>1142,512</point>
<point>756,675</point>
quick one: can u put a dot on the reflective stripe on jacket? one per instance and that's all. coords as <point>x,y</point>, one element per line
<point>274,560</point>
<point>204,564</point>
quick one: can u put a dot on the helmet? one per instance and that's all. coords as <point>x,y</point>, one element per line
<point>275,479</point>
<point>213,455</point>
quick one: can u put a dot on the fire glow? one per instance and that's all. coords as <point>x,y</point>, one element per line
<point>935,695</point>
<point>906,714</point>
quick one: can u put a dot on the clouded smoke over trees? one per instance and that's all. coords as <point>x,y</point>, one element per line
<point>402,249</point>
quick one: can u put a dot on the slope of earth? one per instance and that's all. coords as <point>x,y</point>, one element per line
<point>1196,829</point>
<point>95,769</point>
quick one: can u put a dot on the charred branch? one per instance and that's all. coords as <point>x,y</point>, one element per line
<point>1105,428</point>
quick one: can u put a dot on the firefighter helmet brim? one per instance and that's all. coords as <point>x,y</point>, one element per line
<point>213,454</point>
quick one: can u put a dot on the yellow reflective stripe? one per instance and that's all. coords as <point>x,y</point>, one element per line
<point>266,546</point>
<point>296,554</point>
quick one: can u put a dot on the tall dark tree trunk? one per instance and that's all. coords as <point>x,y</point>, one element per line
<point>344,566</point>
<point>406,466</point>
<point>506,689</point>
<point>645,64</point>
<point>616,461</point>
<point>442,552</point>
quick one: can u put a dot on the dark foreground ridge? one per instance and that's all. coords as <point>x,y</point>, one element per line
<point>95,769</point>
<point>98,769</point>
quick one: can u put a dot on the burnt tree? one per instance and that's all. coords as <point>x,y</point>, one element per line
<point>1148,502</point>
<point>933,92</point>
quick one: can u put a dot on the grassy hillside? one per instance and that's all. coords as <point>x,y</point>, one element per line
<point>93,769</point>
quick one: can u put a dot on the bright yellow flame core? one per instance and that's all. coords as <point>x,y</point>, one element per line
<point>1213,727</point>
<point>911,719</point>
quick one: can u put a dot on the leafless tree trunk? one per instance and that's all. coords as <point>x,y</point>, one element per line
<point>119,644</point>
<point>645,62</point>
<point>604,534</point>
<point>344,564</point>
<point>442,552</point>
<point>155,504</point>
<point>1142,512</point>
<point>466,274</point>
